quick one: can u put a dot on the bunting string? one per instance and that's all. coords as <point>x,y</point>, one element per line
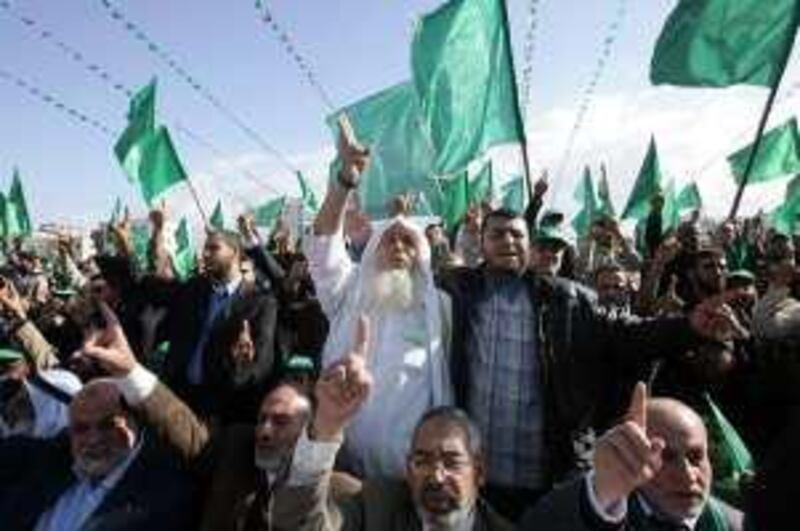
<point>527,57</point>
<point>48,98</point>
<point>74,54</point>
<point>290,47</point>
<point>589,91</point>
<point>161,52</point>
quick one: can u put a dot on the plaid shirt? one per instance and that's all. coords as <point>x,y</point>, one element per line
<point>505,398</point>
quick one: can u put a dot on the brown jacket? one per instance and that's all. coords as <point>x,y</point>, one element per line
<point>380,506</point>
<point>223,460</point>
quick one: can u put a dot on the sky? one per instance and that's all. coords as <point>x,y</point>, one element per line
<point>355,48</point>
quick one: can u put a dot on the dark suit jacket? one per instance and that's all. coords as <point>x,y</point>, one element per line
<point>567,508</point>
<point>228,391</point>
<point>153,494</point>
<point>222,459</point>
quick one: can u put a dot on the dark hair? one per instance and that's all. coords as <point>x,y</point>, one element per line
<point>609,266</point>
<point>459,417</point>
<point>230,238</point>
<point>502,213</point>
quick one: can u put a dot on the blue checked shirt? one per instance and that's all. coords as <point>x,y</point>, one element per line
<point>505,397</point>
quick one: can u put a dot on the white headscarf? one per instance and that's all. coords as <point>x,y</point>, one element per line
<point>50,414</point>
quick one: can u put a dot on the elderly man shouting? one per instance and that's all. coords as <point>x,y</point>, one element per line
<point>394,285</point>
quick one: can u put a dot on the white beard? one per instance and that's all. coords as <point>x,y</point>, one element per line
<point>391,290</point>
<point>271,463</point>
<point>457,520</point>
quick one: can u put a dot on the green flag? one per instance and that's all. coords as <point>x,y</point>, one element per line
<point>401,158</point>
<point>689,197</point>
<point>307,194</point>
<point>784,218</point>
<point>584,193</point>
<point>455,199</point>
<point>729,455</point>
<point>185,257</point>
<point>778,155</point>
<point>717,43</point>
<point>422,207</point>
<point>514,194</point>
<point>116,214</point>
<point>18,222</point>
<point>463,72</point>
<point>605,206</point>
<point>160,167</point>
<point>3,209</point>
<point>140,239</point>
<point>648,183</point>
<point>267,214</point>
<point>670,214</point>
<point>480,189</point>
<point>141,123</point>
<point>217,220</point>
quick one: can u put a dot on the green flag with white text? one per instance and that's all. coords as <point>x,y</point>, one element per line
<point>463,72</point>
<point>718,43</point>
<point>648,183</point>
<point>778,155</point>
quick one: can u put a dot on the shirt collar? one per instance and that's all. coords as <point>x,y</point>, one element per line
<point>649,510</point>
<point>228,288</point>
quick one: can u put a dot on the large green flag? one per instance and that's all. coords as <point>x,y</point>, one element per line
<point>185,257</point>
<point>778,155</point>
<point>514,196</point>
<point>267,214</point>
<point>455,199</point>
<point>784,218</point>
<point>18,222</point>
<point>480,189</point>
<point>648,183</point>
<point>401,157</point>
<point>307,194</point>
<point>717,43</point>
<point>729,455</point>
<point>464,75</point>
<point>141,123</point>
<point>584,193</point>
<point>689,197</point>
<point>160,167</point>
<point>217,219</point>
<point>605,206</point>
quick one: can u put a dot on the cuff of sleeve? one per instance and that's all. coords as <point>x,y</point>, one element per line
<point>311,460</point>
<point>611,514</point>
<point>137,385</point>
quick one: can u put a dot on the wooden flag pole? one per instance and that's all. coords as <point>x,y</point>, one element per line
<point>787,52</point>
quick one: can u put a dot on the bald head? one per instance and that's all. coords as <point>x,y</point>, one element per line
<point>681,487</point>
<point>102,432</point>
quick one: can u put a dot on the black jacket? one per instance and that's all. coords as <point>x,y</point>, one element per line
<point>584,355</point>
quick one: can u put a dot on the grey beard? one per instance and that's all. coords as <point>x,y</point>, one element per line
<point>271,464</point>
<point>457,520</point>
<point>392,290</point>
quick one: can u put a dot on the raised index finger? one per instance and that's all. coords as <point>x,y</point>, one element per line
<point>637,410</point>
<point>360,348</point>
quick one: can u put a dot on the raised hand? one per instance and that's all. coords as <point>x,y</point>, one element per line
<point>342,389</point>
<point>353,155</point>
<point>625,458</point>
<point>243,351</point>
<point>541,185</point>
<point>158,216</point>
<point>247,227</point>
<point>10,300</point>
<point>108,345</point>
<point>714,319</point>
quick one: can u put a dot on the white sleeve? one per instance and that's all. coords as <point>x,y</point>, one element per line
<point>612,514</point>
<point>331,269</point>
<point>137,385</point>
<point>311,460</point>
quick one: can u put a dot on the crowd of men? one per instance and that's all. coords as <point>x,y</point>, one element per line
<point>392,376</point>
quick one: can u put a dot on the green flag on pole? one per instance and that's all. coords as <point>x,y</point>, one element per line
<point>455,199</point>
<point>648,183</point>
<point>784,217</point>
<point>401,157</point>
<point>689,198</point>
<point>605,206</point>
<point>480,189</point>
<point>307,194</point>
<point>217,219</point>
<point>778,155</point>
<point>160,166</point>
<point>729,455</point>
<point>267,214</point>
<point>463,72</point>
<point>185,257</point>
<point>584,193</point>
<point>141,124</point>
<point>718,43</point>
<point>18,222</point>
<point>514,195</point>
